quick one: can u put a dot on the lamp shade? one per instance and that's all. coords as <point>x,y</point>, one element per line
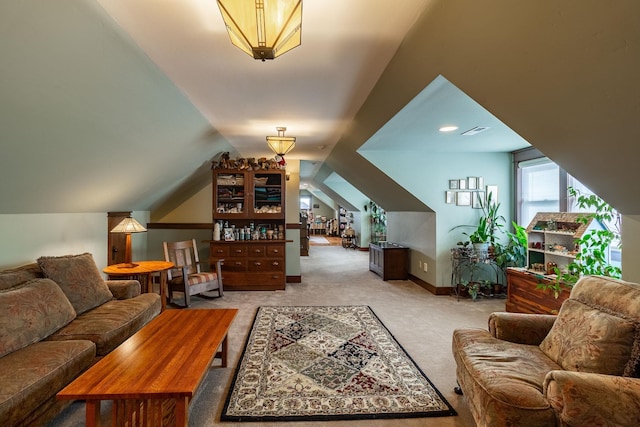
<point>128,225</point>
<point>281,144</point>
<point>264,29</point>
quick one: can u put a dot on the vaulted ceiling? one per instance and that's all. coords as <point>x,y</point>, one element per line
<point>121,104</point>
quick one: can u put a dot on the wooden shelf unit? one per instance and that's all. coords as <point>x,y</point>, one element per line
<point>551,238</point>
<point>250,200</point>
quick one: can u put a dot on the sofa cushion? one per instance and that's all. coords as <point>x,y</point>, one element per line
<point>111,323</point>
<point>588,339</point>
<point>79,279</point>
<point>17,276</point>
<point>31,312</point>
<point>32,375</point>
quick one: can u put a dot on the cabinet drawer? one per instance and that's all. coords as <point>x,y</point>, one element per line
<point>266,264</point>
<point>275,250</point>
<point>237,250</point>
<point>257,250</point>
<point>234,264</point>
<point>218,251</point>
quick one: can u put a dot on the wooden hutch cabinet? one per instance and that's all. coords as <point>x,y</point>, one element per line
<point>249,208</point>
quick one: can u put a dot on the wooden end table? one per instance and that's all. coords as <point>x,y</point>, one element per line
<point>142,271</point>
<point>153,376</point>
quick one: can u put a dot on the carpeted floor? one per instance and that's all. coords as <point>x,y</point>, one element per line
<point>327,363</point>
<point>421,322</point>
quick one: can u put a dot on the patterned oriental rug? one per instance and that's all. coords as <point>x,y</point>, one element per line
<point>327,363</point>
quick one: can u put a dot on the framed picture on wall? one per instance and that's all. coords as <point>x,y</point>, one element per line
<point>463,198</point>
<point>480,183</point>
<point>462,184</point>
<point>453,184</point>
<point>477,199</point>
<point>450,197</point>
<point>493,191</point>
<point>472,183</point>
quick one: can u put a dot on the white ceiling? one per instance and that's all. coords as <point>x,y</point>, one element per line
<point>314,90</point>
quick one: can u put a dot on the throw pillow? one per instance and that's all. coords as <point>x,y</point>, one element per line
<point>79,279</point>
<point>586,339</point>
<point>32,312</point>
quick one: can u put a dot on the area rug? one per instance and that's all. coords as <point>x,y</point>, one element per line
<point>327,363</point>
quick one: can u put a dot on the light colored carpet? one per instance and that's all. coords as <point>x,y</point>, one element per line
<point>421,322</point>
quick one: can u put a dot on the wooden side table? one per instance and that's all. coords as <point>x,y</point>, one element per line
<point>142,271</point>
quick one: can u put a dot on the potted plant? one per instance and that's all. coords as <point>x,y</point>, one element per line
<point>514,252</point>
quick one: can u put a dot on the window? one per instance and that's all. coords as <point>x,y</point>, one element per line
<point>542,187</point>
<point>539,190</point>
<point>305,203</point>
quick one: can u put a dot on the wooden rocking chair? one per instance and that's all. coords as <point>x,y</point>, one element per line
<point>186,277</point>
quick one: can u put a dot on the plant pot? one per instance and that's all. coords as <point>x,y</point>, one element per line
<point>481,249</point>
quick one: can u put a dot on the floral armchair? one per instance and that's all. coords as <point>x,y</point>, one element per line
<point>580,368</point>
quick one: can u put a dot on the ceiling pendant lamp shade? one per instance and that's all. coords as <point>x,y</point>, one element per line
<point>264,29</point>
<point>281,144</point>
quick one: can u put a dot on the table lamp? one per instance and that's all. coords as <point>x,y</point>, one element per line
<point>128,226</point>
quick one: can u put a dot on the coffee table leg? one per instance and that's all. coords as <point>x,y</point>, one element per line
<point>224,351</point>
<point>93,413</point>
<point>182,411</point>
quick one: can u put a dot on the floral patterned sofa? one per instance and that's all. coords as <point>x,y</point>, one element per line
<point>579,368</point>
<point>57,318</point>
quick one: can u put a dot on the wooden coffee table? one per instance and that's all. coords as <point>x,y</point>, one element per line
<point>153,376</point>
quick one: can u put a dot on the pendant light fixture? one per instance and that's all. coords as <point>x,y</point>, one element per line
<point>264,29</point>
<point>281,144</point>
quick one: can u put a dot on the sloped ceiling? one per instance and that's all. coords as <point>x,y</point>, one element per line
<point>120,104</point>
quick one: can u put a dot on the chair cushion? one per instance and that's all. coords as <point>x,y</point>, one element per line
<point>195,279</point>
<point>31,312</point>
<point>79,279</point>
<point>588,339</point>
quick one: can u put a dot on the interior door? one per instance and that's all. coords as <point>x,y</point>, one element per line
<point>116,242</point>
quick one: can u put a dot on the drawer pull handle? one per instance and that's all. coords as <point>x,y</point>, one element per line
<point>238,251</point>
<point>258,251</point>
<point>257,264</point>
<point>274,277</point>
<point>275,251</point>
<point>220,251</point>
<point>275,263</point>
<point>238,263</point>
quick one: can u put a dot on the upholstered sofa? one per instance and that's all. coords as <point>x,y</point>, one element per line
<point>58,317</point>
<point>579,368</point>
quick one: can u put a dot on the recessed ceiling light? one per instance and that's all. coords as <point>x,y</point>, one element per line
<point>448,128</point>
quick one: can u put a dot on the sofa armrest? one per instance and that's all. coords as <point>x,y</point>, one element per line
<point>124,289</point>
<point>582,399</point>
<point>520,328</point>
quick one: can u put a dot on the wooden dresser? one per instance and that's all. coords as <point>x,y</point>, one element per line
<point>252,265</point>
